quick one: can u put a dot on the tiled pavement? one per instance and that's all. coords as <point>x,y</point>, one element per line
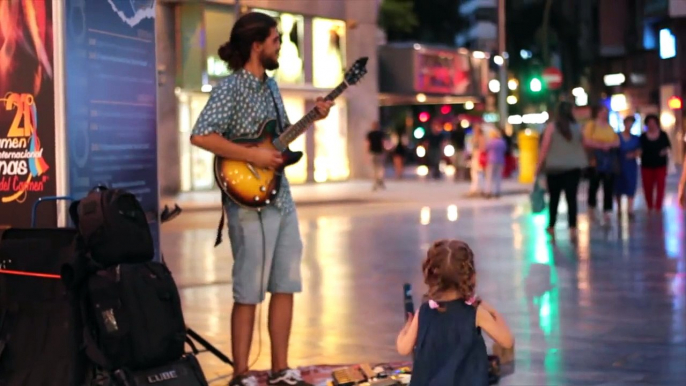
<point>610,310</point>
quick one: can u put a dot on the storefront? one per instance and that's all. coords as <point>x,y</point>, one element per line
<point>312,62</point>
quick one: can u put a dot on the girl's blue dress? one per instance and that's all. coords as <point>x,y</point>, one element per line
<point>450,350</point>
<point>625,184</point>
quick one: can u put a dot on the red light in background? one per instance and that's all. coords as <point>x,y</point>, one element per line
<point>674,103</point>
<point>423,116</point>
<point>445,109</point>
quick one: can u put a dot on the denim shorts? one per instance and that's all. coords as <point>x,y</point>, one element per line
<point>266,254</point>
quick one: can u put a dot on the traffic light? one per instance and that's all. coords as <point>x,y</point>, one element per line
<point>424,117</point>
<point>535,85</point>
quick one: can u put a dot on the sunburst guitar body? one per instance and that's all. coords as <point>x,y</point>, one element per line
<point>250,186</point>
<point>253,187</point>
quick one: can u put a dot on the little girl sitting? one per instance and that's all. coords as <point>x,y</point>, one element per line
<point>445,333</point>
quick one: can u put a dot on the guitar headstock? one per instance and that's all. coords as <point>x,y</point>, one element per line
<point>356,71</point>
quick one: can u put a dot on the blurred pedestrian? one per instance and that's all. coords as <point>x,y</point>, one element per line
<point>562,160</point>
<point>603,143</point>
<point>435,141</point>
<point>629,151</point>
<point>458,140</point>
<point>478,145</point>
<point>655,146</point>
<point>375,146</point>
<point>496,148</point>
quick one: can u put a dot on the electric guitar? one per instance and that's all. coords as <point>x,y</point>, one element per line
<point>252,187</point>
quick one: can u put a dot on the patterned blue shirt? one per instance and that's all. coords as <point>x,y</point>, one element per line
<point>237,107</point>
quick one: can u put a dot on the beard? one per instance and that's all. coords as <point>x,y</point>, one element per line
<point>270,63</point>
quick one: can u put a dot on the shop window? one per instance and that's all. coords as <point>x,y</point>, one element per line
<point>331,145</point>
<point>328,51</point>
<point>197,165</point>
<point>291,63</point>
<point>218,21</point>
<point>295,108</point>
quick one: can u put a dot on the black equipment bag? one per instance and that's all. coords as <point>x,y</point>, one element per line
<point>133,317</point>
<point>39,339</point>
<point>113,226</point>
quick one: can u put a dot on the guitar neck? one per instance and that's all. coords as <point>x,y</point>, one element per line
<point>294,131</point>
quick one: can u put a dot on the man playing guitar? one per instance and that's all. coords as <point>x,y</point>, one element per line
<point>266,244</point>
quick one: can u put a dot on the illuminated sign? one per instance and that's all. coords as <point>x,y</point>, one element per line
<point>667,44</point>
<point>614,79</point>
<point>442,72</point>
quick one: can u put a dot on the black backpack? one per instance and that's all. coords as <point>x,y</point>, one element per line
<point>132,316</point>
<point>113,227</point>
<point>129,305</point>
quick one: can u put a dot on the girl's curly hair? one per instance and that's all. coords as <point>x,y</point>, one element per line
<point>449,266</point>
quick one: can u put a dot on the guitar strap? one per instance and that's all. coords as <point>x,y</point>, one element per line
<point>222,221</point>
<point>278,114</point>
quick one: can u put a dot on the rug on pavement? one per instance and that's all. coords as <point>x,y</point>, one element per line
<point>320,375</point>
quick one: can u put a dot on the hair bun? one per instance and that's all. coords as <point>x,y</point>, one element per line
<point>226,51</point>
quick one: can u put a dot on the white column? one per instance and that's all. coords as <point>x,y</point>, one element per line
<point>363,105</point>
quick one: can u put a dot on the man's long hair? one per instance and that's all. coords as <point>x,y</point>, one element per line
<point>250,28</point>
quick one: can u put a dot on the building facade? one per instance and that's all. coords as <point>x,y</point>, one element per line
<point>320,41</point>
<point>480,29</point>
<point>639,66</point>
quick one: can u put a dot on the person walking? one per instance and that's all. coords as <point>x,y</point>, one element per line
<point>496,147</point>
<point>627,180</point>
<point>602,141</point>
<point>562,159</point>
<point>655,146</point>
<point>375,146</point>
<point>478,144</point>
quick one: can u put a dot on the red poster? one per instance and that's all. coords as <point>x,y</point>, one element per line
<point>27,112</point>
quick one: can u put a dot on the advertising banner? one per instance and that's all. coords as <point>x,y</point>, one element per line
<point>443,72</point>
<point>111,103</point>
<point>27,114</point>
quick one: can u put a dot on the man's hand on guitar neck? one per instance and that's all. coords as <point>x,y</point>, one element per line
<point>323,107</point>
<point>265,158</point>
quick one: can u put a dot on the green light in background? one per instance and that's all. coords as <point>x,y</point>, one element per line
<point>535,85</point>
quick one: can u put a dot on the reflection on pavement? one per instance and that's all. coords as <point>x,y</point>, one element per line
<point>578,310</point>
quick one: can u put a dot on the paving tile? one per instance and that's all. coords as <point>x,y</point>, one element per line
<point>610,310</point>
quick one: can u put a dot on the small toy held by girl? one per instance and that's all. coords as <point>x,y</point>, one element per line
<point>445,333</point>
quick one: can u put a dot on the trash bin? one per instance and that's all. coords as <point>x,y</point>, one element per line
<point>528,155</point>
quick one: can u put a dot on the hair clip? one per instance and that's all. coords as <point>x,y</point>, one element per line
<point>433,305</point>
